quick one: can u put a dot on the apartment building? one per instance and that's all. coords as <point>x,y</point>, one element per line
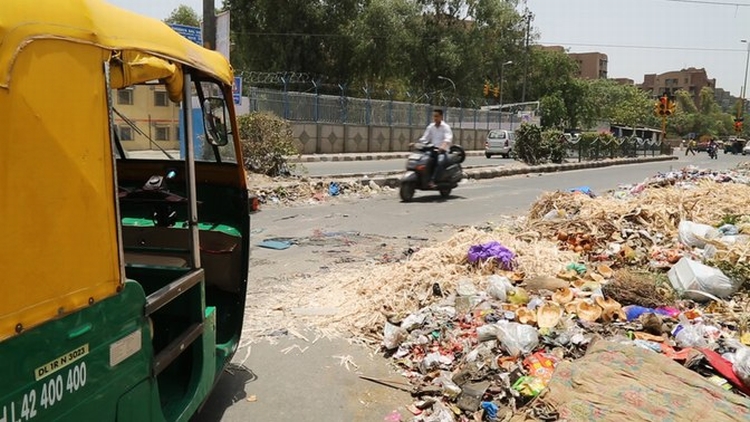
<point>150,109</point>
<point>590,65</point>
<point>691,80</point>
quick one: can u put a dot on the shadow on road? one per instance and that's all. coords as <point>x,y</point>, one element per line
<point>424,199</point>
<point>229,390</point>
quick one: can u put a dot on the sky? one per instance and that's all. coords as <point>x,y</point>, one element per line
<point>670,34</point>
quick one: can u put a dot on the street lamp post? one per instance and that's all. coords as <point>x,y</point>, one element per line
<point>744,86</point>
<point>502,89</point>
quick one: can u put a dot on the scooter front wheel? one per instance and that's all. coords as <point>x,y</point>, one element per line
<point>407,191</point>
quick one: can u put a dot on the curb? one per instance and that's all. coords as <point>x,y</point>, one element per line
<point>361,157</point>
<point>479,174</point>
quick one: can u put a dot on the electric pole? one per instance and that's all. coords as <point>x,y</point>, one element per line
<point>209,24</point>
<point>528,16</point>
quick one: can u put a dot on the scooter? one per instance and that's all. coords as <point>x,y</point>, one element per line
<point>712,153</point>
<point>419,168</point>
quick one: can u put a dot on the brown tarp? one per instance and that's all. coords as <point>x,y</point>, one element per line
<point>616,382</point>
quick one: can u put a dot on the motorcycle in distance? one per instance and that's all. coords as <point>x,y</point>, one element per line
<point>419,168</point>
<point>712,152</point>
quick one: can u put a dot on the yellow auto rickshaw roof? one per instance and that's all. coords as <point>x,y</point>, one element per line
<point>100,23</point>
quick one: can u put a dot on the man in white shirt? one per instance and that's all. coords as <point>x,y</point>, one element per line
<point>440,135</point>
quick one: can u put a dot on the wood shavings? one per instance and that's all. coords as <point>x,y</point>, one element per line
<point>656,210</point>
<point>366,296</point>
<point>290,348</point>
<point>345,361</point>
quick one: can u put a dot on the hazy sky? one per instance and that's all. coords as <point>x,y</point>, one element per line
<point>676,33</point>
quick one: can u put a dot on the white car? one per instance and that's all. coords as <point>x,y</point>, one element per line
<point>499,142</point>
<point>746,149</point>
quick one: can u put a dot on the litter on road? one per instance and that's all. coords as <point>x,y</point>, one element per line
<point>624,305</point>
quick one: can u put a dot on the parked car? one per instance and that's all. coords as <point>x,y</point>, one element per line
<point>499,142</point>
<point>746,149</point>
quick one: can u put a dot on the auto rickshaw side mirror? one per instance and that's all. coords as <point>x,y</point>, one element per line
<point>215,126</point>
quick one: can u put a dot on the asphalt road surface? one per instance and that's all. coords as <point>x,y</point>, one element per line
<point>313,386</point>
<point>349,167</point>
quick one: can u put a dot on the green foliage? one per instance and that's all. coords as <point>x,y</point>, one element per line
<point>399,45</point>
<point>184,15</point>
<point>534,146</point>
<point>266,142</point>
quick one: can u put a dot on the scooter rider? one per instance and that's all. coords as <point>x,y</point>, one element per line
<point>440,135</point>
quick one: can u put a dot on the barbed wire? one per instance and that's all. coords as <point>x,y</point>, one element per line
<point>253,77</point>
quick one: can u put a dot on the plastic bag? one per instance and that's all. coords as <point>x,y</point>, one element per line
<point>435,360</point>
<point>393,336</point>
<point>741,365</point>
<point>413,321</point>
<point>450,389</point>
<point>688,335</point>
<point>487,332</point>
<point>695,235</point>
<point>499,287</point>
<point>517,338</point>
<point>692,275</point>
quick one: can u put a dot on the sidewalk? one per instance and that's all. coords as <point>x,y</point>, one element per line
<point>370,156</point>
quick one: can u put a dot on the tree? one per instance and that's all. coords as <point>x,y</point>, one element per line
<point>184,15</point>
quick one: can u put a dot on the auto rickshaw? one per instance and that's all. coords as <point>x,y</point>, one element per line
<point>124,279</point>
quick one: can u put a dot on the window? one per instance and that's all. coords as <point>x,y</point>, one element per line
<point>126,133</point>
<point>162,133</point>
<point>177,133</point>
<point>161,99</point>
<point>125,96</point>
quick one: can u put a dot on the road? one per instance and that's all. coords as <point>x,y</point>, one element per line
<point>313,385</point>
<point>349,167</point>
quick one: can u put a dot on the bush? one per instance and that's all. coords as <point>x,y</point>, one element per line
<point>536,147</point>
<point>267,141</point>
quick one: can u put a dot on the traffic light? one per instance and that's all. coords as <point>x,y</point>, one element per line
<point>657,108</point>
<point>496,92</point>
<point>670,107</point>
<point>663,105</point>
<point>738,121</point>
<point>486,90</point>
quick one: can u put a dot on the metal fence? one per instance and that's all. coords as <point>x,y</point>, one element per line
<point>310,107</point>
<point>621,147</point>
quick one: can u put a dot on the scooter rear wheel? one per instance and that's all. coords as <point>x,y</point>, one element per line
<point>445,193</point>
<point>407,191</point>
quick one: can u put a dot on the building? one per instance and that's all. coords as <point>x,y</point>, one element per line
<point>623,81</point>
<point>590,65</point>
<point>691,80</point>
<point>725,100</point>
<point>151,111</point>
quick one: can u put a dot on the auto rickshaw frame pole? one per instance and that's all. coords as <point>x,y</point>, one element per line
<point>190,179</point>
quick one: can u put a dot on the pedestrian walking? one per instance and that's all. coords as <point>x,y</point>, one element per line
<point>691,147</point>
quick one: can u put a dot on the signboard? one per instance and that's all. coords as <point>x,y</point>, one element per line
<point>237,90</point>
<point>192,33</point>
<point>222,34</point>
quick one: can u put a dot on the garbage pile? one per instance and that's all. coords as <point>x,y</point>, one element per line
<point>638,225</point>
<point>655,289</point>
<point>489,352</point>
<point>314,191</point>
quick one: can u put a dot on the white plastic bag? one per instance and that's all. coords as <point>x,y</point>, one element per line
<point>393,336</point>
<point>692,275</point>
<point>413,321</point>
<point>689,335</point>
<point>498,287</point>
<point>450,389</point>
<point>741,365</point>
<point>517,338</point>
<point>695,235</point>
